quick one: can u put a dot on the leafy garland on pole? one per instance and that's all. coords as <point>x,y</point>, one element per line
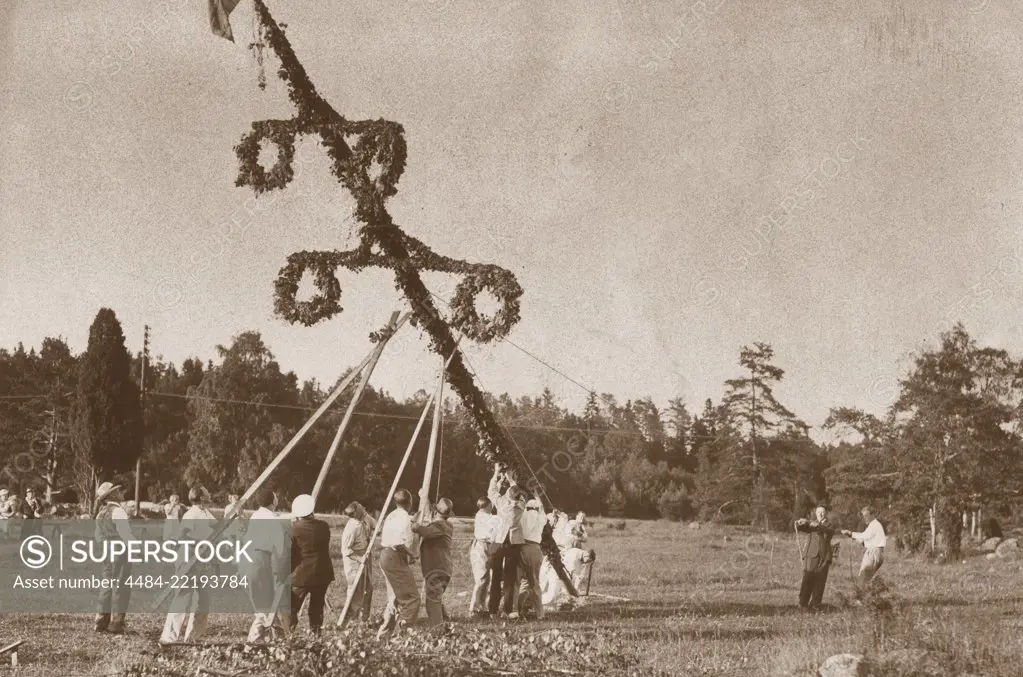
<point>356,150</point>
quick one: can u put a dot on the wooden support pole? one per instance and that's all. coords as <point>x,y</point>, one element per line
<point>363,382</point>
<point>258,483</point>
<point>425,505</point>
<point>387,503</point>
<point>142,398</point>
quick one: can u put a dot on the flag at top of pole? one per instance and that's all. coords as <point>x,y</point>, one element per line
<point>220,10</point>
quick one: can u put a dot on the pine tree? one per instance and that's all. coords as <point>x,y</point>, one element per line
<point>107,409</point>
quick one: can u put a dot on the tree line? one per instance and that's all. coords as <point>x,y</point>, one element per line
<point>949,444</point>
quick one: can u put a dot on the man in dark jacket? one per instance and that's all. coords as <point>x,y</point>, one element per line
<point>816,558</point>
<point>311,569</point>
<point>435,558</point>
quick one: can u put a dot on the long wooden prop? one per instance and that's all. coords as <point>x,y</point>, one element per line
<point>387,504</point>
<point>258,483</point>
<point>363,382</point>
<point>426,506</point>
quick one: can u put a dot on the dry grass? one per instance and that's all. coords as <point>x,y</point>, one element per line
<point>699,605</point>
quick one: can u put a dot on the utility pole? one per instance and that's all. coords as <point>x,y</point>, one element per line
<point>142,396</point>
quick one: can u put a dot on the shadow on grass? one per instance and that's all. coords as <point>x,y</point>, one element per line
<point>657,610</point>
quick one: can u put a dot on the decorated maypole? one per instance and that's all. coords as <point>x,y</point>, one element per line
<point>382,243</point>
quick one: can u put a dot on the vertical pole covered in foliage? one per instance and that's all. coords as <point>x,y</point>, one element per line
<point>368,158</point>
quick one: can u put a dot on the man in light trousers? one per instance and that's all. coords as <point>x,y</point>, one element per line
<point>874,541</point>
<point>354,544</point>
<point>266,534</point>
<point>479,556</point>
<point>191,606</point>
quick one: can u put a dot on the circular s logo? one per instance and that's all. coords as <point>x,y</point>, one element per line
<point>36,552</point>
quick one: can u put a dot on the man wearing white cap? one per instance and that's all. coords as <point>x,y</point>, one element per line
<point>311,569</point>
<point>112,525</point>
<point>531,556</point>
<point>191,606</point>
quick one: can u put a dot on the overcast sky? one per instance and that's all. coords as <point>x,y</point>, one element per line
<point>668,180</point>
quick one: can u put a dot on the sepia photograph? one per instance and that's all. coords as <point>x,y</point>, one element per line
<point>445,338</point>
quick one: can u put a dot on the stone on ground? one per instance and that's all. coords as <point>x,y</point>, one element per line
<point>990,544</point>
<point>844,665</point>
<point>1008,549</point>
<point>694,525</point>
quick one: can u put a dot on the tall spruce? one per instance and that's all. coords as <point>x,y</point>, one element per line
<point>107,409</point>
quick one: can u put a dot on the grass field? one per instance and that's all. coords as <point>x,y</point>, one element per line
<point>713,601</point>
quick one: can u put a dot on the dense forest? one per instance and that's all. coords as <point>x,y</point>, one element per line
<point>948,445</point>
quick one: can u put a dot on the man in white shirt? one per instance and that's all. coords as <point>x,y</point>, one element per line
<point>112,525</point>
<point>395,557</point>
<point>504,564</point>
<point>533,522</point>
<point>874,540</point>
<point>191,606</point>
<point>266,535</point>
<point>479,556</point>
<point>354,545</point>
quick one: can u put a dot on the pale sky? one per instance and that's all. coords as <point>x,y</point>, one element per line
<point>617,156</point>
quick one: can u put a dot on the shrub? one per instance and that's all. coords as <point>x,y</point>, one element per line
<point>674,503</point>
<point>615,502</point>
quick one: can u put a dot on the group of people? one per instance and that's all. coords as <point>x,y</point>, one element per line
<point>14,507</point>
<point>819,553</point>
<point>512,578</point>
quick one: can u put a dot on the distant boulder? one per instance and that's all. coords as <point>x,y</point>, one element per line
<point>844,665</point>
<point>990,544</point>
<point>694,525</point>
<point>1008,549</point>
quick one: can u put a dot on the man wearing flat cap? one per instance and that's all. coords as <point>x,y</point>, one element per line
<point>112,525</point>
<point>435,559</point>
<point>354,545</point>
<point>311,569</point>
